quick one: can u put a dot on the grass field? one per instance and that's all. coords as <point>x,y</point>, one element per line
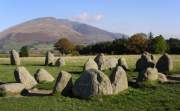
<point>161,97</point>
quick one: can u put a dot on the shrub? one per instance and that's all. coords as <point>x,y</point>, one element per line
<point>24,51</point>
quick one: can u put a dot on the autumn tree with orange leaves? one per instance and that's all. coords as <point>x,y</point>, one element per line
<point>138,43</point>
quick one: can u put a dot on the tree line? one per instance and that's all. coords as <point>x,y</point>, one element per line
<point>136,44</point>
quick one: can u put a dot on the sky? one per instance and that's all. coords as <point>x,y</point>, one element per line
<point>120,16</point>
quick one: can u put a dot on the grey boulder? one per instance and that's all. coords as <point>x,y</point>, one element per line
<point>14,57</point>
<point>122,62</point>
<point>146,60</point>
<point>92,83</point>
<point>42,75</point>
<point>23,76</point>
<point>63,83</point>
<point>90,64</point>
<point>119,80</point>
<point>12,88</point>
<point>49,59</point>
<point>60,62</point>
<point>165,63</point>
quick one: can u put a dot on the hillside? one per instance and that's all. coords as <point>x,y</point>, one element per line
<point>48,30</point>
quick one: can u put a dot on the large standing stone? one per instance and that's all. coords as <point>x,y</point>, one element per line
<point>12,88</point>
<point>99,59</point>
<point>164,64</point>
<point>90,64</point>
<point>119,80</point>
<point>109,63</point>
<point>60,62</point>
<point>92,83</point>
<point>150,74</point>
<point>14,57</point>
<point>63,83</point>
<point>23,76</point>
<point>105,63</point>
<point>146,60</point>
<point>50,59</point>
<point>122,62</point>
<point>43,76</point>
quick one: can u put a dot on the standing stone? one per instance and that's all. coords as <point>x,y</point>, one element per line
<point>146,60</point>
<point>50,59</point>
<point>99,59</point>
<point>162,78</point>
<point>63,83</point>
<point>14,57</point>
<point>23,76</point>
<point>122,62</point>
<point>109,63</point>
<point>12,88</point>
<point>150,74</point>
<point>105,63</point>
<point>164,64</point>
<point>119,80</point>
<point>90,64</point>
<point>43,76</point>
<point>92,83</point>
<point>60,62</point>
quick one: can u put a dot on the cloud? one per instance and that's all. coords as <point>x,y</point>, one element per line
<point>85,17</point>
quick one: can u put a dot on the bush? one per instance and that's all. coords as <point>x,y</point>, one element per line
<point>75,53</point>
<point>24,51</point>
<point>158,45</point>
<point>64,46</point>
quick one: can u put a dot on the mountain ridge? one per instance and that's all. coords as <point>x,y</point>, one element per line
<point>50,29</point>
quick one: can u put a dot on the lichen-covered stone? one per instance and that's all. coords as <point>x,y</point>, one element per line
<point>119,80</point>
<point>92,83</point>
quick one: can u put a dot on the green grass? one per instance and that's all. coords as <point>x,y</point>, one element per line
<point>159,97</point>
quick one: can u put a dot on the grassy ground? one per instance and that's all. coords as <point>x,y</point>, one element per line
<point>162,97</point>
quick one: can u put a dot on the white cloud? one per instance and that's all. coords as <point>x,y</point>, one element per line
<point>85,17</point>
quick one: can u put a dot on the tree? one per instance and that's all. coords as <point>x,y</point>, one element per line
<point>150,35</point>
<point>138,43</point>
<point>24,51</point>
<point>174,46</point>
<point>64,46</point>
<point>150,38</point>
<point>119,46</point>
<point>158,45</point>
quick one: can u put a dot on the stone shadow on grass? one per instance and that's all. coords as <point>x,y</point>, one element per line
<point>75,72</point>
<point>37,93</point>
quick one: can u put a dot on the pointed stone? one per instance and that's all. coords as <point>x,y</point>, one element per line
<point>23,76</point>
<point>92,83</point>
<point>63,83</point>
<point>165,64</point>
<point>119,80</point>
<point>60,62</point>
<point>14,57</point>
<point>122,62</point>
<point>50,59</point>
<point>90,64</point>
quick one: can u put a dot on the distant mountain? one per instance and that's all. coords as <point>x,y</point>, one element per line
<point>48,30</point>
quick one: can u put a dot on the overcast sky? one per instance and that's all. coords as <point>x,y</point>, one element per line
<point>124,16</point>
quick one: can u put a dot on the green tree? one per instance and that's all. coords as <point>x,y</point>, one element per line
<point>150,35</point>
<point>24,51</point>
<point>64,46</point>
<point>119,46</point>
<point>174,45</point>
<point>158,45</point>
<point>138,43</point>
